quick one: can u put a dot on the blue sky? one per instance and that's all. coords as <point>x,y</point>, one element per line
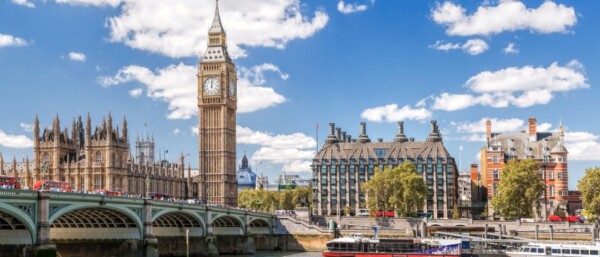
<point>304,62</point>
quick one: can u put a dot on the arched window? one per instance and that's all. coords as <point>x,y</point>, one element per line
<point>98,157</point>
<point>46,157</point>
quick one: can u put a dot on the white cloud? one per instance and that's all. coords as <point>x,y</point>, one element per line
<point>194,130</point>
<point>135,93</point>
<point>472,46</point>
<point>511,49</point>
<point>440,45</point>
<point>27,127</point>
<point>391,113</point>
<point>112,3</point>
<point>544,127</point>
<point>498,125</point>
<point>78,57</point>
<point>178,28</point>
<point>350,8</point>
<point>25,3</point>
<point>15,141</point>
<point>453,102</point>
<point>515,86</point>
<point>176,131</point>
<point>508,15</point>
<point>475,46</point>
<point>293,151</point>
<point>9,40</point>
<point>177,85</point>
<point>582,146</point>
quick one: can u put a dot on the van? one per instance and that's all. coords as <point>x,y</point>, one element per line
<point>363,212</point>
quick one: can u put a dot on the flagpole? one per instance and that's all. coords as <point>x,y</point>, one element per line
<point>460,148</point>
<point>317,148</point>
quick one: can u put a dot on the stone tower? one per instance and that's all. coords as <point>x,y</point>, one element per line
<point>217,105</point>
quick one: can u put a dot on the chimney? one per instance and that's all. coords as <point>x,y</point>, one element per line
<point>532,129</point>
<point>331,139</point>
<point>338,133</point>
<point>488,126</point>
<point>344,138</point>
<point>363,138</point>
<point>380,140</point>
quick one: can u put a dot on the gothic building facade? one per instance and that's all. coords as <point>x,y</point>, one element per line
<point>98,160</point>
<point>343,164</point>
<point>217,106</point>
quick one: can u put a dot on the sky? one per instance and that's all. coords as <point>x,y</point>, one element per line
<point>303,64</point>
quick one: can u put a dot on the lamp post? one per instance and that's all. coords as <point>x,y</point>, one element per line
<point>44,173</point>
<point>545,189</point>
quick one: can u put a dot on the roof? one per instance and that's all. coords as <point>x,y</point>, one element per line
<point>216,26</point>
<point>383,150</point>
<point>521,145</point>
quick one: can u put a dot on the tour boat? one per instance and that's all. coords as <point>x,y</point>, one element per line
<point>556,249</point>
<point>355,245</point>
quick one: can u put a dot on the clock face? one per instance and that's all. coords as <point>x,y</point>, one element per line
<point>211,86</point>
<point>231,88</point>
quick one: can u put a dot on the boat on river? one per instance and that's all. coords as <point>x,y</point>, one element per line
<point>355,245</point>
<point>556,249</point>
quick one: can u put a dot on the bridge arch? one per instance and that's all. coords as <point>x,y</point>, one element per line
<point>12,220</point>
<point>171,223</point>
<point>227,225</point>
<point>259,226</point>
<point>93,221</point>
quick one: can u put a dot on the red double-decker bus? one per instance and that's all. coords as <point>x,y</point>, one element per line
<point>56,186</point>
<point>13,182</point>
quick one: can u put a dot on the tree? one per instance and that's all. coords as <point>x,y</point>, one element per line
<point>303,197</point>
<point>455,212</point>
<point>519,189</point>
<point>589,186</point>
<point>400,188</point>
<point>286,200</point>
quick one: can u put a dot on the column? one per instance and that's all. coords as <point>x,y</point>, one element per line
<point>150,241</point>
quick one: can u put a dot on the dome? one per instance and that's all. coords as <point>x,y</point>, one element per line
<point>559,148</point>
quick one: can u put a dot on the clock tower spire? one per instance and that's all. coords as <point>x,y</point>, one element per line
<point>217,106</point>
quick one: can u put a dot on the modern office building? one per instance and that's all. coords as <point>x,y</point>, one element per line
<point>547,148</point>
<point>343,164</point>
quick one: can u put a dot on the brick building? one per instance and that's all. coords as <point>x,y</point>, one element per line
<point>545,147</point>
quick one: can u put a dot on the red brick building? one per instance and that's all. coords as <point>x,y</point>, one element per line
<point>545,147</point>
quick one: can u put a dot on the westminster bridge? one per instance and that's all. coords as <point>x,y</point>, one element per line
<point>40,223</point>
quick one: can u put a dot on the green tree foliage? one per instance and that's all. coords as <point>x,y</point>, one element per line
<point>269,201</point>
<point>400,188</point>
<point>286,200</point>
<point>455,212</point>
<point>589,186</point>
<point>519,189</point>
<point>303,197</point>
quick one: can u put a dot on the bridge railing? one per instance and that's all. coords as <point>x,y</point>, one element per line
<point>18,193</point>
<point>94,197</point>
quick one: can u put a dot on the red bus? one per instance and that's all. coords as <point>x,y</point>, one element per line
<point>387,214</point>
<point>158,196</point>
<point>56,186</point>
<point>10,181</point>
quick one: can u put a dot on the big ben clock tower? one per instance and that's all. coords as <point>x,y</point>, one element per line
<point>217,105</point>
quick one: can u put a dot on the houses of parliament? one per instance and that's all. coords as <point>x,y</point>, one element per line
<point>101,159</point>
<point>98,161</point>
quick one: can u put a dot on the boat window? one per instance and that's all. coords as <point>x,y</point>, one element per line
<point>566,251</point>
<point>594,252</point>
<point>575,251</point>
<point>540,250</point>
<point>555,251</point>
<point>585,252</point>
